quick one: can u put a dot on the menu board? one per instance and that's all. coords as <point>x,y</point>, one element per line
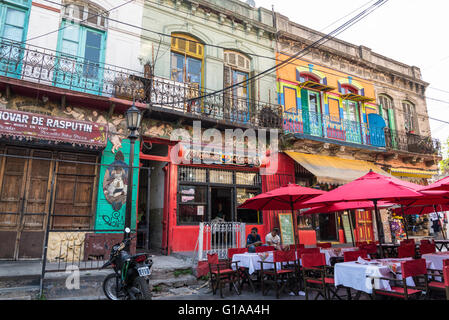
<point>286,227</point>
<point>347,227</point>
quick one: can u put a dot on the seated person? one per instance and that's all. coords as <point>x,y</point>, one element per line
<point>219,217</point>
<point>253,240</point>
<point>273,239</point>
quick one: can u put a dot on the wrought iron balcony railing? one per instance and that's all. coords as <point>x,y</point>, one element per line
<point>40,65</point>
<point>325,126</point>
<point>410,142</point>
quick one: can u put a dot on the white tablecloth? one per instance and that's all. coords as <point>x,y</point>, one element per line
<point>358,276</point>
<point>436,259</point>
<point>251,261</point>
<point>335,252</point>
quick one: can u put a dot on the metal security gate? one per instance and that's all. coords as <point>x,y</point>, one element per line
<point>219,237</point>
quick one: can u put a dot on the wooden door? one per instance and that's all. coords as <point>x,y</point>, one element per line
<point>364,226</point>
<point>24,202</point>
<point>74,192</point>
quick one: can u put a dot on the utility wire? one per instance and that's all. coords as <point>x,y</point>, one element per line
<point>261,56</point>
<point>326,38</point>
<point>226,48</point>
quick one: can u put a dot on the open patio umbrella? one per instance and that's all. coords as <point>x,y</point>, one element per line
<point>442,185</point>
<point>289,197</point>
<point>343,206</point>
<point>371,187</point>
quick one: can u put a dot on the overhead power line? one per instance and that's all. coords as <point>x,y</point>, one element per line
<point>226,48</point>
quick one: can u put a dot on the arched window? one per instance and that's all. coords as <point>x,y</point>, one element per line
<point>346,88</point>
<point>86,13</point>
<point>410,117</point>
<point>386,109</point>
<point>304,76</point>
<point>187,59</point>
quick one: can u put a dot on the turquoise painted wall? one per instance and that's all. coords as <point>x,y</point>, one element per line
<point>107,218</point>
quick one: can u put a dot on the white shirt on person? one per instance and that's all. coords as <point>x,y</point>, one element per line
<point>270,239</point>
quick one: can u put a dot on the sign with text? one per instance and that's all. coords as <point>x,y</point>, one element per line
<point>19,124</point>
<point>287,229</point>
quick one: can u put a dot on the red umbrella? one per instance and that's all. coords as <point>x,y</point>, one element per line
<point>419,210</point>
<point>373,187</point>
<point>442,184</point>
<point>342,206</point>
<point>289,197</point>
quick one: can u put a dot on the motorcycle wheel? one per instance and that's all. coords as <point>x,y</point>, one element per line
<point>142,284</point>
<point>109,287</point>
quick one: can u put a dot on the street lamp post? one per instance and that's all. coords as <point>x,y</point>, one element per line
<point>133,118</point>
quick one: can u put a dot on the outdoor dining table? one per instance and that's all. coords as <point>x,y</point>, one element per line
<point>251,260</point>
<point>436,259</point>
<point>358,275</point>
<point>335,252</point>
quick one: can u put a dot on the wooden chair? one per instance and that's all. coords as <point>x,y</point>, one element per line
<point>324,245</point>
<point>439,279</point>
<point>244,275</point>
<point>298,246</point>
<point>302,251</point>
<point>317,276</point>
<point>407,241</point>
<point>412,268</point>
<point>360,243</point>
<point>406,251</point>
<point>264,249</point>
<point>370,249</point>
<point>426,248</point>
<point>354,255</point>
<point>280,275</point>
<point>221,272</point>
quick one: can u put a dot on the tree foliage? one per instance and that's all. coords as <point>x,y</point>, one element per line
<point>444,164</point>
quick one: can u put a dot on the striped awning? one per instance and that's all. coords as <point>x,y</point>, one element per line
<point>334,170</point>
<point>416,173</point>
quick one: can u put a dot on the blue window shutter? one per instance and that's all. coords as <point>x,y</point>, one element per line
<point>339,87</point>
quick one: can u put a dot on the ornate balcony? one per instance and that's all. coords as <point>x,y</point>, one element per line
<point>324,126</point>
<point>409,142</point>
<point>311,124</point>
<point>43,66</point>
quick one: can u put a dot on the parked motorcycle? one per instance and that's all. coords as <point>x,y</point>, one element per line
<point>131,273</point>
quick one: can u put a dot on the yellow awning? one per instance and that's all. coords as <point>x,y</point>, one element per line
<point>334,170</point>
<point>415,173</point>
<point>356,97</point>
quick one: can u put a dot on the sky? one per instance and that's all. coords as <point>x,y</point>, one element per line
<point>414,32</point>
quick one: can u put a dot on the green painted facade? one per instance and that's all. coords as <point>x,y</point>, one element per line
<point>107,218</point>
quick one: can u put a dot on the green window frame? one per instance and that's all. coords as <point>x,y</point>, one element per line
<point>81,54</point>
<point>14,18</point>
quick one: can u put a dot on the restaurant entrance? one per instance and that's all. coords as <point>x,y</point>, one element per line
<point>327,227</point>
<point>222,203</point>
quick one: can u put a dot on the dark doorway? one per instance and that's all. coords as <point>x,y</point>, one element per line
<point>151,205</point>
<point>327,227</point>
<point>221,199</point>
